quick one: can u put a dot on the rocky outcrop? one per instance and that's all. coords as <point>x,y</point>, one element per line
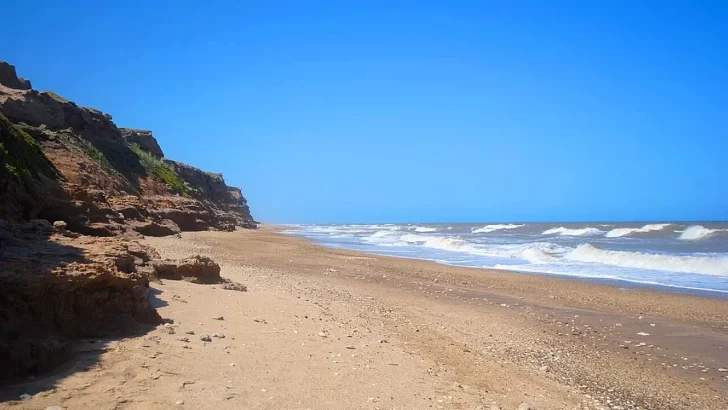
<point>10,79</point>
<point>197,269</point>
<point>56,288</point>
<point>108,180</point>
<point>144,139</point>
<point>84,275</point>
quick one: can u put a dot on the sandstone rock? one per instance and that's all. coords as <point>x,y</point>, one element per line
<point>9,78</point>
<point>59,289</point>
<point>218,335</point>
<point>144,139</point>
<point>165,228</point>
<point>197,269</point>
<point>230,285</point>
<point>60,227</point>
<point>205,338</point>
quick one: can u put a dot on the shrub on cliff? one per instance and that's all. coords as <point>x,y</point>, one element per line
<point>21,158</point>
<point>156,167</point>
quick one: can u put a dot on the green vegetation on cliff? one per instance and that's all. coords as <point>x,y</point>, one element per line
<point>21,157</point>
<point>156,167</point>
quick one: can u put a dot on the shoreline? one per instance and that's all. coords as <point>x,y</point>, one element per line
<point>616,282</point>
<point>323,328</point>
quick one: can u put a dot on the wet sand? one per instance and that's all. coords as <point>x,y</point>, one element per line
<point>328,328</point>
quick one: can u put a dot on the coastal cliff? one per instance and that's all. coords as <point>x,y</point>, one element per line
<point>75,193</point>
<point>104,180</point>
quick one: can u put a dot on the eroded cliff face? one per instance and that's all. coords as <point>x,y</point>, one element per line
<point>75,191</point>
<point>108,180</point>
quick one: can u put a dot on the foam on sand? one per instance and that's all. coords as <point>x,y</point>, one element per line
<point>496,227</point>
<point>572,232</point>
<point>619,232</point>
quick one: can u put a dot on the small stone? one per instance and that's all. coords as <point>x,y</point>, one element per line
<point>219,318</point>
<point>218,335</point>
<point>232,364</point>
<point>652,324</point>
<point>25,396</point>
<point>350,347</point>
<point>179,402</point>
<point>323,334</point>
<point>723,370</point>
<point>643,334</point>
<point>190,332</point>
<point>184,339</point>
<point>383,341</point>
<point>205,338</point>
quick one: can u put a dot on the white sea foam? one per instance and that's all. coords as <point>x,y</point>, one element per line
<point>619,232</point>
<point>424,229</point>
<point>572,232</point>
<point>706,265</point>
<point>496,227</point>
<point>698,232</point>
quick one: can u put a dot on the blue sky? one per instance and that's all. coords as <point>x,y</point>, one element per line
<point>410,111</point>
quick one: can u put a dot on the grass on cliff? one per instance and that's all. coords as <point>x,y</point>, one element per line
<point>157,167</point>
<point>21,157</point>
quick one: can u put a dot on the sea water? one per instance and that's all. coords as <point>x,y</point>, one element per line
<point>681,256</point>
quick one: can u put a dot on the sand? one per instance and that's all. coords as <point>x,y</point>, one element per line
<point>322,328</point>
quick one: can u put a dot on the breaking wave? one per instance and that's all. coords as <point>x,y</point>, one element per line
<point>619,232</point>
<point>572,232</point>
<point>424,229</point>
<point>706,265</point>
<point>496,227</point>
<point>698,232</point>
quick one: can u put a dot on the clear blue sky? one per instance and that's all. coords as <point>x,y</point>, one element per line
<point>365,111</point>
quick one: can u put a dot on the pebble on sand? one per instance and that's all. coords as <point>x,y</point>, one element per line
<point>25,396</point>
<point>180,402</point>
<point>205,338</point>
<point>218,335</point>
<point>219,318</point>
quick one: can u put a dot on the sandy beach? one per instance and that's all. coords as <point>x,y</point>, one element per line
<point>323,328</point>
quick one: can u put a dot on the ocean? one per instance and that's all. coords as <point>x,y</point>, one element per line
<point>690,257</point>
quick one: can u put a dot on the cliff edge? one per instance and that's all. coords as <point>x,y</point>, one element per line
<point>100,179</point>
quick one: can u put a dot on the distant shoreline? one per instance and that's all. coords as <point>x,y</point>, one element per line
<point>612,282</point>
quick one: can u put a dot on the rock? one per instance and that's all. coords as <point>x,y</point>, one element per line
<point>323,334</point>
<point>543,369</point>
<point>722,370</point>
<point>230,285</point>
<point>350,347</point>
<point>9,78</point>
<point>25,396</point>
<point>643,334</point>
<point>526,406</point>
<point>205,338</point>
<point>184,339</point>
<point>157,229</point>
<point>218,318</point>
<point>60,226</point>
<point>144,139</point>
<point>197,269</point>
<point>218,335</point>
<point>383,341</point>
<point>179,402</point>
<point>190,332</point>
